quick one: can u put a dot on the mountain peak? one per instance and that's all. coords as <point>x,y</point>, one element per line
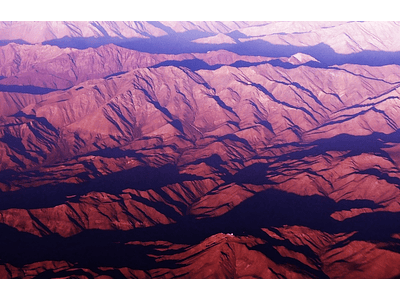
<point>301,58</point>
<point>219,38</point>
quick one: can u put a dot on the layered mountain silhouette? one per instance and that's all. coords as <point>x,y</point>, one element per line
<point>199,150</point>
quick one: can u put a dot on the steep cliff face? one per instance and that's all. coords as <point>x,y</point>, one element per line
<point>123,164</point>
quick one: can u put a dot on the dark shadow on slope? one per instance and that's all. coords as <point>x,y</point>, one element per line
<point>253,174</point>
<point>141,178</point>
<point>267,125</point>
<point>115,74</point>
<point>8,175</point>
<point>271,208</point>
<point>244,64</point>
<point>268,209</point>
<point>198,64</point>
<point>161,207</point>
<point>274,208</point>
<point>177,124</point>
<point>15,142</point>
<point>41,120</point>
<point>359,203</point>
<point>19,42</point>
<point>314,64</point>
<point>92,249</point>
<point>346,118</point>
<point>273,98</point>
<point>375,227</point>
<point>82,43</point>
<point>382,176</point>
<point>16,145</point>
<point>284,65</point>
<point>178,43</point>
<point>269,251</point>
<point>174,43</point>
<point>160,25</point>
<point>215,161</point>
<point>156,104</point>
<point>222,104</point>
<point>235,138</point>
<point>77,274</point>
<point>322,52</point>
<point>192,64</point>
<point>100,28</point>
<point>115,153</point>
<point>288,66</point>
<point>236,35</point>
<point>374,143</point>
<point>25,89</point>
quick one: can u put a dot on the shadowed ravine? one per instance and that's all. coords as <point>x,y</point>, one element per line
<point>269,209</point>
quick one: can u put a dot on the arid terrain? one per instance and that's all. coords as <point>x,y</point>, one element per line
<point>199,150</point>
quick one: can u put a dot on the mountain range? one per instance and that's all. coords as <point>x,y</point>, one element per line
<point>199,150</point>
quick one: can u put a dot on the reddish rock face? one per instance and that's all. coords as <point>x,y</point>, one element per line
<point>119,163</point>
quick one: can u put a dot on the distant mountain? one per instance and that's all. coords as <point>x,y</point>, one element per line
<point>54,68</point>
<point>341,37</point>
<point>216,39</point>
<point>39,32</point>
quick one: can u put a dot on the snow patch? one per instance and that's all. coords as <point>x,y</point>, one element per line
<point>301,58</point>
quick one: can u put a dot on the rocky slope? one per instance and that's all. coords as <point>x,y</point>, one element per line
<point>41,69</point>
<point>202,165</point>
